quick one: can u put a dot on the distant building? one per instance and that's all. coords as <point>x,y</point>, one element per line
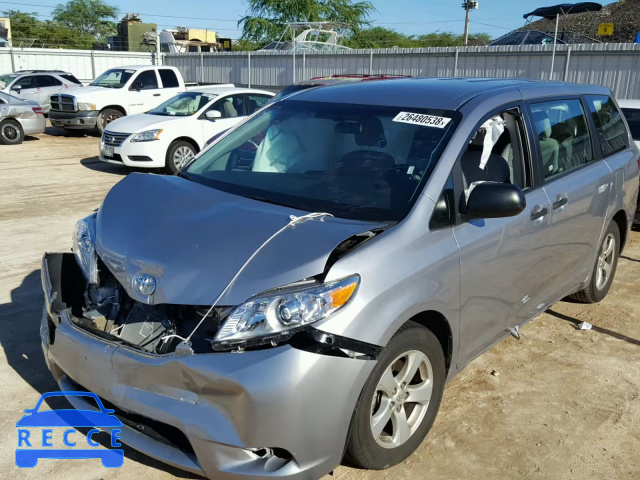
<point>5,32</point>
<point>133,35</point>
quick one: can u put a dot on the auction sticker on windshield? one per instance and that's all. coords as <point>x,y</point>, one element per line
<point>422,119</point>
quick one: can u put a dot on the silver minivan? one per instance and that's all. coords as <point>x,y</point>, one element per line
<point>303,290</point>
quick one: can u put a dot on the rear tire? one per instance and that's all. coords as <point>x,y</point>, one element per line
<point>106,116</point>
<point>604,269</point>
<point>11,132</point>
<point>179,154</point>
<point>387,426</point>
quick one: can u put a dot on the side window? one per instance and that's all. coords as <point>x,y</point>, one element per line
<point>169,78</point>
<point>633,119</point>
<point>148,79</point>
<point>230,107</point>
<point>71,78</point>
<point>612,134</point>
<point>43,81</point>
<point>495,152</point>
<point>256,102</point>
<point>563,135</point>
<point>25,82</point>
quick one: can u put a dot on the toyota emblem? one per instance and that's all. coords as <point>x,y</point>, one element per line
<point>144,284</point>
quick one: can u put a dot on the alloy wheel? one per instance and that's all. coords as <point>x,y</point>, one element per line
<point>401,399</point>
<point>605,261</point>
<point>182,156</point>
<point>10,132</point>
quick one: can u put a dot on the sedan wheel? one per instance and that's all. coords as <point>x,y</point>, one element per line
<point>11,132</point>
<point>401,399</point>
<point>606,259</point>
<point>182,156</point>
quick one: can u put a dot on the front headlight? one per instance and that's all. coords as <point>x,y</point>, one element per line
<point>84,247</point>
<point>86,106</point>
<point>282,313</point>
<point>147,136</point>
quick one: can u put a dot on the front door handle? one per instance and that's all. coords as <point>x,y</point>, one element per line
<point>561,201</point>
<point>156,94</point>
<point>538,212</point>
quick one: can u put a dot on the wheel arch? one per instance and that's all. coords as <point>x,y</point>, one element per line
<point>188,140</point>
<point>621,220</point>
<point>114,107</point>
<point>437,324</point>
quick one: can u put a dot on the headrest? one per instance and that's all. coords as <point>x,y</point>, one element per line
<point>371,133</point>
<point>543,124</point>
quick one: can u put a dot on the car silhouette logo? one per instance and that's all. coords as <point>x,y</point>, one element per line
<point>144,284</point>
<point>100,419</point>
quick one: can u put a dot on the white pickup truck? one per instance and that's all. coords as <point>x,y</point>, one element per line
<point>116,93</point>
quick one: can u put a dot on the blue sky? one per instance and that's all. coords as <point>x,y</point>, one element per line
<point>407,16</point>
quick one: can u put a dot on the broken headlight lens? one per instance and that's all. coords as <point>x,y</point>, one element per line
<point>84,248</point>
<point>283,312</point>
<point>147,136</point>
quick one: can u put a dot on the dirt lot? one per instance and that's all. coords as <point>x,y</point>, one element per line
<point>558,404</point>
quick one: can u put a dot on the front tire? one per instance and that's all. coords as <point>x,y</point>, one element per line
<point>604,269</point>
<point>11,132</point>
<point>178,155</point>
<point>400,400</point>
<point>106,116</point>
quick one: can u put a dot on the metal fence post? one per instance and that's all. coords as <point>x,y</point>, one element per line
<point>371,62</point>
<point>201,67</point>
<point>304,66</point>
<point>93,65</point>
<point>566,65</point>
<point>455,64</point>
<point>13,60</point>
<point>249,65</point>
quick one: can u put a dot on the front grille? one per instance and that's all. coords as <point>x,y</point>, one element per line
<point>159,431</point>
<point>112,139</point>
<point>64,103</point>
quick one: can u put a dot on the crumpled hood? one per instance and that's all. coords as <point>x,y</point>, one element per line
<point>193,239</point>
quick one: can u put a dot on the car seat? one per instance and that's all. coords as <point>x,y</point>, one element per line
<point>549,147</point>
<point>228,110</point>
<point>495,170</point>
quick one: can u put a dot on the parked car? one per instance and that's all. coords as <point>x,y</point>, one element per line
<point>171,134</point>
<point>272,315</point>
<point>631,111</point>
<point>115,93</point>
<point>331,80</point>
<point>38,85</point>
<point>19,118</point>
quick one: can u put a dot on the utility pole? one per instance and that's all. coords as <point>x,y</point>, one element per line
<point>468,5</point>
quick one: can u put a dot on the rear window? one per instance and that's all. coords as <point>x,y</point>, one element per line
<point>71,78</point>
<point>612,133</point>
<point>633,119</point>
<point>169,78</point>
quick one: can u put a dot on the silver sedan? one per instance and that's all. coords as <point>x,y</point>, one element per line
<point>19,118</point>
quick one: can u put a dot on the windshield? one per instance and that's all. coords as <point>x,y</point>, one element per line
<point>5,80</point>
<point>183,105</point>
<point>354,161</point>
<point>286,91</point>
<point>114,78</point>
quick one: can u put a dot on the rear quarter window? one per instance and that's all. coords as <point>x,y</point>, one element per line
<point>633,120</point>
<point>611,131</point>
<point>169,78</point>
<point>71,78</point>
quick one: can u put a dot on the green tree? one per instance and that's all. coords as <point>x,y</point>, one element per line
<point>27,30</point>
<point>267,19</point>
<point>88,17</point>
<point>380,37</point>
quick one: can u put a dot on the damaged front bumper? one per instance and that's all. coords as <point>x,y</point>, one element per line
<point>278,412</point>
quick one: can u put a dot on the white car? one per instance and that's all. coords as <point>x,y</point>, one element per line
<point>38,85</point>
<point>171,134</point>
<point>631,111</point>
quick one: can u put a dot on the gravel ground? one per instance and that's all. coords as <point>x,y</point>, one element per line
<point>560,403</point>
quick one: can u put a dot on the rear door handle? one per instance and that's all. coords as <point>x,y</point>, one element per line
<point>156,94</point>
<point>538,212</point>
<point>561,201</point>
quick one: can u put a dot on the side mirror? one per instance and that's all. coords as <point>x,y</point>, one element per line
<point>16,88</point>
<point>213,114</point>
<point>495,200</point>
<point>137,86</point>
